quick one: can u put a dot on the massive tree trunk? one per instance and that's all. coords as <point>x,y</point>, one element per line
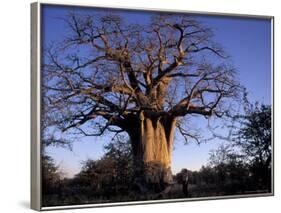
<point>152,141</point>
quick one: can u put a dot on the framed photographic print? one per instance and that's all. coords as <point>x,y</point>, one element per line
<point>138,105</point>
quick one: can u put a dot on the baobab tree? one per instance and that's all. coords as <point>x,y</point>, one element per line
<point>109,75</point>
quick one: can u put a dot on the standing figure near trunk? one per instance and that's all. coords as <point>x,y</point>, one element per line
<point>185,182</point>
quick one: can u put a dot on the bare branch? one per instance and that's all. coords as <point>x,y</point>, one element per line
<point>106,68</point>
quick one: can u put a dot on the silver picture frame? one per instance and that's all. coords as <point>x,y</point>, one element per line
<point>36,51</point>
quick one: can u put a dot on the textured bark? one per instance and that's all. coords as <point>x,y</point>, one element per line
<point>156,140</point>
<point>152,143</point>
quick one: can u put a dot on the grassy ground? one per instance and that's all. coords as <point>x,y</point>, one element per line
<point>174,191</point>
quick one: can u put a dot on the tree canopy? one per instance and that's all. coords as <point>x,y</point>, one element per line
<point>108,72</point>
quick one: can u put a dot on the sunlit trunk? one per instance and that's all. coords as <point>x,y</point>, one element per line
<point>152,147</point>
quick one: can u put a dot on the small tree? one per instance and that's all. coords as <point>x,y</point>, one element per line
<point>255,139</point>
<point>120,152</point>
<point>50,175</point>
<point>109,176</point>
<point>230,168</point>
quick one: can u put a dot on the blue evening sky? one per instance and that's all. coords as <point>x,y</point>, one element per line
<point>246,40</point>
